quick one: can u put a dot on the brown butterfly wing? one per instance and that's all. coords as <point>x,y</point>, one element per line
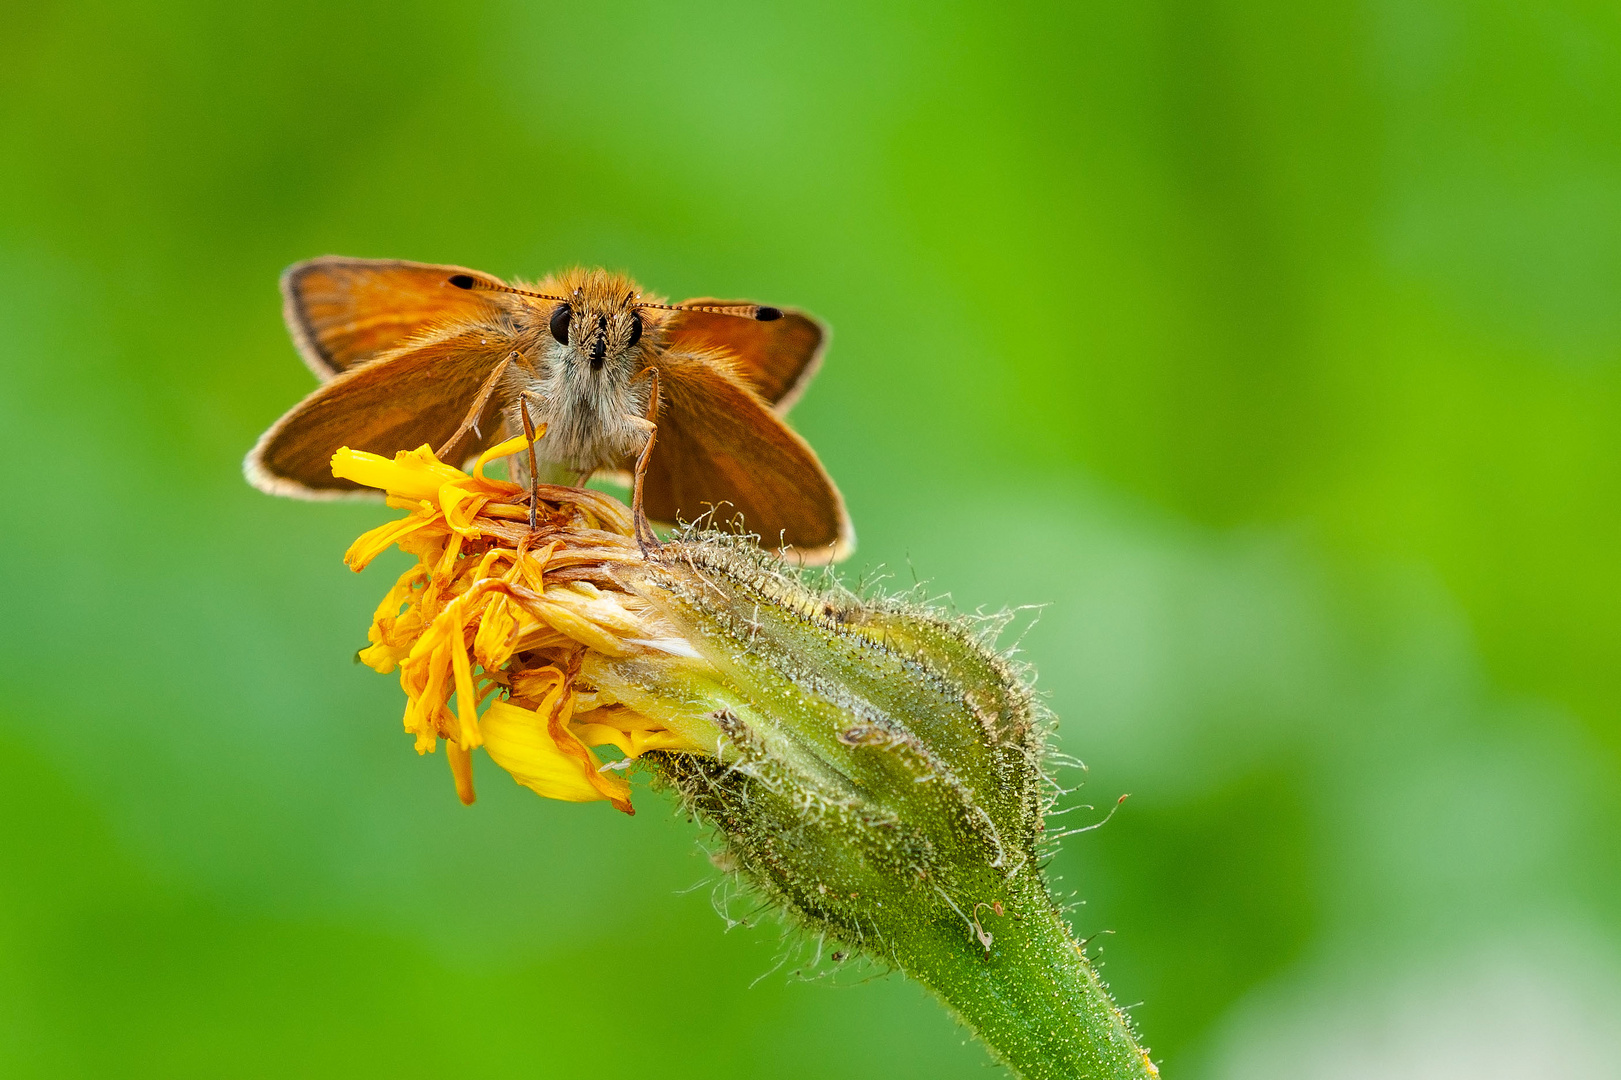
<point>417,394</point>
<point>343,312</point>
<point>775,359</point>
<point>719,444</point>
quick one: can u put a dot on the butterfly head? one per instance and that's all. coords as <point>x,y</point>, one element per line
<point>600,318</point>
<point>597,321</point>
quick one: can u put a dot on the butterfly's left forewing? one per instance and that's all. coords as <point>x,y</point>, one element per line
<point>775,359</point>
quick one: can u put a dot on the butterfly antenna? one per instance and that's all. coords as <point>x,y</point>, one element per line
<point>758,312</point>
<point>471,283</point>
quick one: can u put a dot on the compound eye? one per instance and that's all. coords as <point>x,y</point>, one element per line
<point>635,328</point>
<point>559,323</point>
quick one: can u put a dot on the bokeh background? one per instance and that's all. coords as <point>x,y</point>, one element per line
<point>1274,348</point>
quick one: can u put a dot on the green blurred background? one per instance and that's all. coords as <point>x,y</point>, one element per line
<point>1276,348</point>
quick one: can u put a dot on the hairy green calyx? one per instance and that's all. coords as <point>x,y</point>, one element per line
<point>879,774</point>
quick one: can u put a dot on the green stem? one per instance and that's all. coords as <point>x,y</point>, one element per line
<point>1032,997</point>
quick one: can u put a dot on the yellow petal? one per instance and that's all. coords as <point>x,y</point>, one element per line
<point>461,507</point>
<point>492,645</point>
<point>575,626</point>
<point>373,543</point>
<point>392,633</point>
<point>531,567</point>
<point>413,474</point>
<point>461,767</point>
<point>517,739</point>
<point>466,696</point>
<point>511,446</point>
<point>633,743</point>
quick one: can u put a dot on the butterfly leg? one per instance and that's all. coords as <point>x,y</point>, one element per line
<point>470,421</point>
<point>645,538</point>
<point>534,472</point>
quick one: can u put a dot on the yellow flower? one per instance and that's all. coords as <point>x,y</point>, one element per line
<point>501,620</point>
<point>873,766</point>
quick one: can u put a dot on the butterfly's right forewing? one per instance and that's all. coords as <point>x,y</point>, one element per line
<point>343,312</point>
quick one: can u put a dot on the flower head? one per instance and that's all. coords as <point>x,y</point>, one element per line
<point>499,619</point>
<point>873,767</point>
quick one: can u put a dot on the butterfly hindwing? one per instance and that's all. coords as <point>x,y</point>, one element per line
<point>419,393</point>
<point>720,449</point>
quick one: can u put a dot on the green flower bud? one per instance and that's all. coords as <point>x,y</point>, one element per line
<point>878,773</point>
